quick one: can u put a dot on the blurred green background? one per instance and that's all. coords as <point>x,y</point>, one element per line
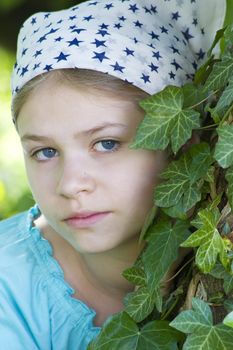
<point>14,192</point>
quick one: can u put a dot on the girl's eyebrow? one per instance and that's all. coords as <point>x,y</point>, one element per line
<point>34,137</point>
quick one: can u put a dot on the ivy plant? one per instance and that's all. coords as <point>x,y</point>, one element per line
<point>193,223</point>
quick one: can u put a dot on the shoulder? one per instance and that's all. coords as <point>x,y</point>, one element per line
<point>14,241</point>
<point>11,227</point>
<point>29,276</point>
<point>20,288</point>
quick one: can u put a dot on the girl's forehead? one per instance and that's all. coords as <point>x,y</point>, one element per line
<point>149,45</point>
<point>60,103</point>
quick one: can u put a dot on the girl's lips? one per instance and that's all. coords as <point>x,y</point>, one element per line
<point>82,221</point>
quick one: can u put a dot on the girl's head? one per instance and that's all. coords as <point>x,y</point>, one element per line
<point>76,142</point>
<point>76,85</point>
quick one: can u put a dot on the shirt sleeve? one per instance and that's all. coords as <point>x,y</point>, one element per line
<point>37,311</point>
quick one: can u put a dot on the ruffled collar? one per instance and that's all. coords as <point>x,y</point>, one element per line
<point>55,273</point>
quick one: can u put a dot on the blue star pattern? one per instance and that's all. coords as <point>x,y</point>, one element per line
<point>139,42</point>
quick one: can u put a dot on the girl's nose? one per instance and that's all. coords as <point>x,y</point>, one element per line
<point>74,180</point>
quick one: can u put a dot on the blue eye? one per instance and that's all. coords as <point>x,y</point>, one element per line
<point>107,146</point>
<point>45,154</point>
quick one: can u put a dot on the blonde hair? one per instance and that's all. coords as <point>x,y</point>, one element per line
<point>80,78</point>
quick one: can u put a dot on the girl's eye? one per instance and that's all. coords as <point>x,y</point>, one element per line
<point>45,154</point>
<point>107,146</point>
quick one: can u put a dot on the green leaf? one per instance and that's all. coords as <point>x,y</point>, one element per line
<point>120,332</point>
<point>194,320</point>
<point>228,305</point>
<point>224,147</point>
<point>158,299</point>
<point>228,36</point>
<point>229,177</point>
<point>209,177</point>
<point>203,309</point>
<point>220,74</point>
<point>203,72</point>
<point>228,320</point>
<point>193,95</point>
<point>183,176</point>
<point>177,211</point>
<point>208,239</point>
<point>147,223</point>
<point>220,273</point>
<point>162,250</point>
<point>191,196</point>
<point>226,98</point>
<point>135,275</point>
<point>218,36</point>
<point>166,121</point>
<point>207,253</point>
<point>140,304</point>
<point>215,337</point>
<point>204,335</point>
<point>169,193</point>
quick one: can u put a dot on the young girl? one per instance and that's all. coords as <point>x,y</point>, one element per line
<point>79,76</point>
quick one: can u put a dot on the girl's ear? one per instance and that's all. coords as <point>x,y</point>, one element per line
<point>194,139</point>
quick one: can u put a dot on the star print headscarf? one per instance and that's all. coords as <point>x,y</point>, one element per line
<point>148,43</point>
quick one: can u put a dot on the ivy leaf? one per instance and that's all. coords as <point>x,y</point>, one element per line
<point>203,335</point>
<point>177,211</point>
<point>166,121</point>
<point>220,74</point>
<point>194,320</point>
<point>209,177</point>
<point>228,37</point>
<point>135,275</point>
<point>208,239</point>
<point>220,273</point>
<point>147,223</point>
<point>224,147</point>
<point>121,332</point>
<point>191,196</point>
<point>162,250</point>
<point>226,98</point>
<point>218,36</point>
<point>229,178</point>
<point>140,304</point>
<point>193,95</point>
<point>228,320</point>
<point>158,299</point>
<point>215,337</point>
<point>228,305</point>
<point>183,176</point>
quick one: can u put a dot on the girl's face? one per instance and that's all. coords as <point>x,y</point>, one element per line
<point>91,187</point>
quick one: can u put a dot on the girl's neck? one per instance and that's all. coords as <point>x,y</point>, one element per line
<point>102,271</point>
<point>105,269</point>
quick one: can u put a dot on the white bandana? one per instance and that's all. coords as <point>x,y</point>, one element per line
<point>148,43</point>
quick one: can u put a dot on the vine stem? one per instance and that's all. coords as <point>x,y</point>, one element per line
<point>207,126</point>
<point>206,98</point>
<point>226,115</point>
<point>213,192</point>
<point>169,310</point>
<point>177,273</point>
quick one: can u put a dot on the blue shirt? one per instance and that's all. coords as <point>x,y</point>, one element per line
<point>37,310</point>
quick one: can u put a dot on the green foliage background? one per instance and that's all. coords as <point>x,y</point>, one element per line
<point>195,200</point>
<point>14,192</point>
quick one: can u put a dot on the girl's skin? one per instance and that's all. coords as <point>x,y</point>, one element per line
<point>73,171</point>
